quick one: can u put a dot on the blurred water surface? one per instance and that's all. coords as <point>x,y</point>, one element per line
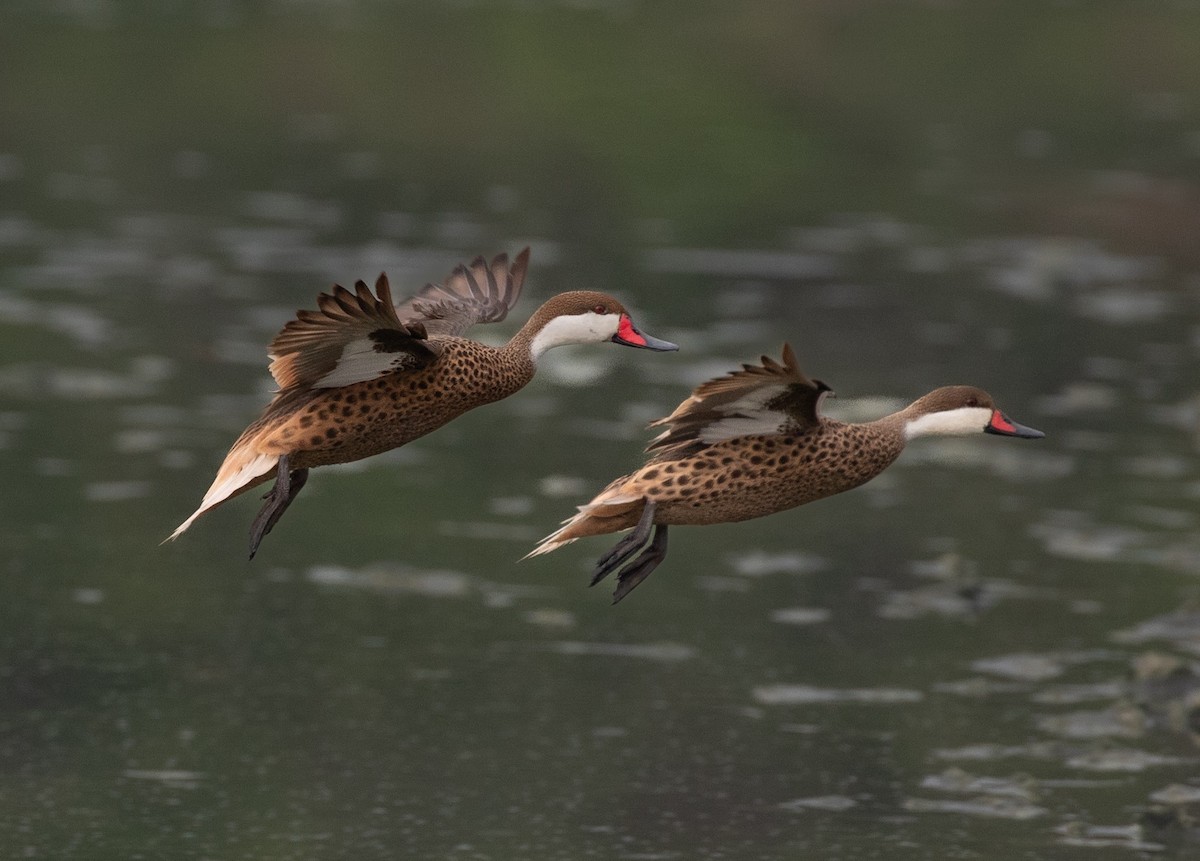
<point>988,652</point>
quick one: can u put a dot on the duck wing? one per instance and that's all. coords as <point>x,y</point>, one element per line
<point>351,338</point>
<point>480,292</point>
<point>769,398</point>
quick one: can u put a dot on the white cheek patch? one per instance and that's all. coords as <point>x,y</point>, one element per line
<point>958,422</point>
<point>589,328</point>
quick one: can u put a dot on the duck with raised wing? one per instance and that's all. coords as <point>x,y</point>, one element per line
<point>361,375</point>
<point>752,443</point>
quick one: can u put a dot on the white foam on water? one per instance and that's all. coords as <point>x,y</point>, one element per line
<point>990,807</point>
<point>116,491</point>
<point>960,781</point>
<point>666,652</point>
<point>760,563</point>
<point>783,694</point>
<point>1125,760</point>
<point>830,803</point>
<point>1114,722</point>
<point>386,578</point>
<point>800,615</point>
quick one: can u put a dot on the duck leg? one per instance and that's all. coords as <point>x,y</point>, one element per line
<point>639,569</point>
<point>627,546</point>
<point>288,483</point>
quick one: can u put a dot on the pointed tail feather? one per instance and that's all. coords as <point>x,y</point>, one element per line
<point>554,540</point>
<point>236,474</point>
<point>610,511</point>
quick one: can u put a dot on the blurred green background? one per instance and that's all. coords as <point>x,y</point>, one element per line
<point>730,122</point>
<point>986,653</point>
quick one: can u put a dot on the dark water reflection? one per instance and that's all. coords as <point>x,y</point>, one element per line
<point>990,651</point>
<point>961,654</point>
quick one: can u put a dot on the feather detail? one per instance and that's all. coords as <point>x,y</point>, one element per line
<point>767,398</point>
<point>480,292</point>
<point>616,507</point>
<point>242,469</point>
<point>352,337</point>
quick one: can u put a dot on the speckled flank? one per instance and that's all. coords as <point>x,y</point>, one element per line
<point>752,476</point>
<point>748,477</point>
<point>699,474</point>
<point>317,427</point>
<point>351,422</point>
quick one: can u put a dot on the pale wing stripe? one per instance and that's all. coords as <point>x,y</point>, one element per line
<point>752,402</point>
<point>360,361</point>
<point>761,424</point>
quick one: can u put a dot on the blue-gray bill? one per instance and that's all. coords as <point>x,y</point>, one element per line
<point>629,335</point>
<point>1004,426</point>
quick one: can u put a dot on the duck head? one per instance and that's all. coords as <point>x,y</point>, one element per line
<point>958,411</point>
<point>586,317</point>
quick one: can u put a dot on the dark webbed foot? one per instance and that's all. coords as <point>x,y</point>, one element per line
<point>627,546</point>
<point>288,483</point>
<point>640,565</point>
<point>645,562</point>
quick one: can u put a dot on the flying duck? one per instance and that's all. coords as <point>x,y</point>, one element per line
<point>362,375</point>
<point>752,443</point>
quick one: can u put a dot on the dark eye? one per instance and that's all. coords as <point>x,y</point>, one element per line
<point>972,402</point>
<point>600,309</point>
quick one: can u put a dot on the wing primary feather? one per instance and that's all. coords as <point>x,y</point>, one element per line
<point>516,276</point>
<point>500,261</point>
<point>384,291</point>
<point>366,299</point>
<point>327,305</point>
<point>476,291</point>
<point>789,357</point>
<point>332,346</point>
<point>754,400</point>
<point>346,300</point>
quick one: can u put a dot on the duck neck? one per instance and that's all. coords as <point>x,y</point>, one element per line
<point>518,358</point>
<point>891,428</point>
<point>520,348</point>
<point>546,330</point>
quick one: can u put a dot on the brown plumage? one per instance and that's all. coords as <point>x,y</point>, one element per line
<point>362,375</point>
<point>752,443</point>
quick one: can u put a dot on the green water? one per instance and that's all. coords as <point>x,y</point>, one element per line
<point>986,653</point>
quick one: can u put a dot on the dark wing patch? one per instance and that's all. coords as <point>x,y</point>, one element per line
<point>767,398</point>
<point>397,340</point>
<point>352,337</point>
<point>481,292</point>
